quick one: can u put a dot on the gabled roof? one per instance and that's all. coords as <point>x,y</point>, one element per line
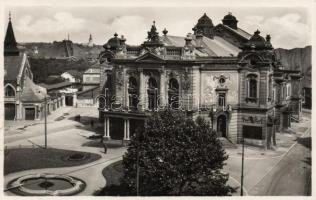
<point>32,92</point>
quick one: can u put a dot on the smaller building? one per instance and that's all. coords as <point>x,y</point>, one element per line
<point>91,77</point>
<point>65,90</point>
<point>73,76</point>
<point>89,97</point>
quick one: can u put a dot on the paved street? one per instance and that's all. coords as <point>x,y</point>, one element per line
<point>292,175</point>
<point>284,171</point>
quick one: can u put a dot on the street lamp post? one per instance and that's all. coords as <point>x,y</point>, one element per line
<point>45,118</point>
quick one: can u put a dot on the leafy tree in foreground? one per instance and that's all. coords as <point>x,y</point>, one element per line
<point>177,156</point>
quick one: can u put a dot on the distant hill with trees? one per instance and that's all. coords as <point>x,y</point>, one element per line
<point>42,68</point>
<point>297,59</point>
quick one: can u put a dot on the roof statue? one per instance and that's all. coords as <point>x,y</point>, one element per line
<point>153,35</point>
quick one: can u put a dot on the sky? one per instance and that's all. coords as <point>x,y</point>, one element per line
<point>289,27</point>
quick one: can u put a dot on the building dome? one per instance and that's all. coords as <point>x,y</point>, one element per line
<point>229,16</point>
<point>230,20</point>
<point>204,26</point>
<point>258,42</point>
<point>113,43</point>
<point>204,21</point>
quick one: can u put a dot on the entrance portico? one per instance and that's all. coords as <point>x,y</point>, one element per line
<point>114,121</point>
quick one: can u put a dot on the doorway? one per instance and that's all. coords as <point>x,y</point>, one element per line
<point>9,111</point>
<point>29,113</point>
<point>69,101</point>
<point>221,126</point>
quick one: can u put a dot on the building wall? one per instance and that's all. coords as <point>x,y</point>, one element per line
<point>210,82</point>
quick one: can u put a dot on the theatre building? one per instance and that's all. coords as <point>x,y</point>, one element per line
<point>222,73</point>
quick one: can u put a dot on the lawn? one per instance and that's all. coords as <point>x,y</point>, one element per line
<point>16,160</point>
<point>112,174</point>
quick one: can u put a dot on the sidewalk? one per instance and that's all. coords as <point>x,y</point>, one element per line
<point>12,127</point>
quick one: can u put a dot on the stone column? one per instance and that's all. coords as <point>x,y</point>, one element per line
<point>105,99</point>
<point>162,89</point>
<point>107,128</point>
<point>63,99</point>
<point>127,130</point>
<point>125,125</point>
<point>141,89</point>
<point>196,88</point>
<point>74,100</point>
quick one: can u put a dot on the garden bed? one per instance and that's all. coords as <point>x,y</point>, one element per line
<point>16,160</point>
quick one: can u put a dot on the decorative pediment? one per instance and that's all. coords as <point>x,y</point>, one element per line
<point>149,58</point>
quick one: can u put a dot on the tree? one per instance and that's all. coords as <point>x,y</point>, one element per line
<point>177,156</point>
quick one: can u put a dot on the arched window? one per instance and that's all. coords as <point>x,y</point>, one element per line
<point>132,93</point>
<point>173,93</point>
<point>152,93</point>
<point>9,91</point>
<point>252,88</point>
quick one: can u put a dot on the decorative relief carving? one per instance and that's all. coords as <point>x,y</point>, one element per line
<point>133,73</point>
<point>173,74</point>
<point>119,76</point>
<point>253,120</point>
<point>186,85</point>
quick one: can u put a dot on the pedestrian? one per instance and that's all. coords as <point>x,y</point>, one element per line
<point>92,123</point>
<point>105,147</point>
<point>79,118</point>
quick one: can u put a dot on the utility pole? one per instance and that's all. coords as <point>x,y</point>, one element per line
<point>45,113</point>
<point>242,166</point>
<point>137,173</point>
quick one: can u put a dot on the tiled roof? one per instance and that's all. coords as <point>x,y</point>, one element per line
<point>12,65</point>
<point>56,86</point>
<point>75,73</point>
<point>32,92</point>
<point>239,31</point>
<point>95,91</point>
<point>212,47</point>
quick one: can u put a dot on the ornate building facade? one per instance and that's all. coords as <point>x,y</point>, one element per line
<point>222,73</point>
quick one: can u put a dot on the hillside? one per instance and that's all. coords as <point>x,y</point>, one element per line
<point>297,59</point>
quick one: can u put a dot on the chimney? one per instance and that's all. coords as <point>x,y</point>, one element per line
<point>198,39</point>
<point>188,40</point>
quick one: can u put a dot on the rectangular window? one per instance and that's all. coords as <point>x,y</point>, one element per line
<point>221,99</point>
